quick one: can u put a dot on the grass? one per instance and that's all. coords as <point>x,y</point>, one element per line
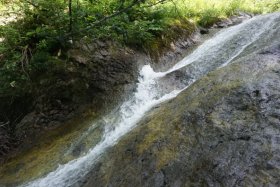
<point>207,12</point>
<point>178,17</point>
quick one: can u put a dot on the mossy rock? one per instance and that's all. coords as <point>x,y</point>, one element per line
<point>221,131</point>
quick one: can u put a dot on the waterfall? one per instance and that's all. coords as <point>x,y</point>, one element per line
<point>217,52</point>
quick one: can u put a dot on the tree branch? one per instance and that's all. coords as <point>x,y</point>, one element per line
<point>70,16</point>
<point>134,3</point>
<point>154,4</point>
<point>31,3</point>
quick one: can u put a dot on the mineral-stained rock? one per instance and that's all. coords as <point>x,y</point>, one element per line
<point>224,130</point>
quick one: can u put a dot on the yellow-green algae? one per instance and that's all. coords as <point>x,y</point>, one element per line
<point>49,151</point>
<point>163,125</point>
<point>176,29</point>
<point>158,128</point>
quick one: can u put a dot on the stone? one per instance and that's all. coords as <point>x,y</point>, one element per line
<point>222,131</point>
<point>203,30</point>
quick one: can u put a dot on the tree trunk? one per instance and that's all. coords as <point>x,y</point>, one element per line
<point>70,16</point>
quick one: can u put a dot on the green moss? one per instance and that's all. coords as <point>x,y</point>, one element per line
<point>50,151</point>
<point>175,29</point>
<point>166,125</point>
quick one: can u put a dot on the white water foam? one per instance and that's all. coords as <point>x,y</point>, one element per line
<point>254,37</point>
<point>130,113</point>
<point>243,35</point>
<point>145,98</point>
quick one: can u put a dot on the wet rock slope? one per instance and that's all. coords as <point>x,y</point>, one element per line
<point>224,130</point>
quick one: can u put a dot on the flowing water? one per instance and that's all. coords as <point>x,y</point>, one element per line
<point>154,88</point>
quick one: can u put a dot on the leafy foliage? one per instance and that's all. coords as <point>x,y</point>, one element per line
<point>31,44</point>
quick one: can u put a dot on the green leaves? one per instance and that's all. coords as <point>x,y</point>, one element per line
<point>43,26</point>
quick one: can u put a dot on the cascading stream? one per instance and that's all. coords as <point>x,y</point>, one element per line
<point>156,87</point>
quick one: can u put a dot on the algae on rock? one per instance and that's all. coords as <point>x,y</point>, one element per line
<point>222,131</point>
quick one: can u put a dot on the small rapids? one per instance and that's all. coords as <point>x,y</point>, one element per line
<point>154,88</point>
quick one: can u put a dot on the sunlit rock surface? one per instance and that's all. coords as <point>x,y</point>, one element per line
<point>222,131</point>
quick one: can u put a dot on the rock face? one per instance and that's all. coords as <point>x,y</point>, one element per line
<point>224,130</point>
<point>95,79</point>
<point>110,69</point>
